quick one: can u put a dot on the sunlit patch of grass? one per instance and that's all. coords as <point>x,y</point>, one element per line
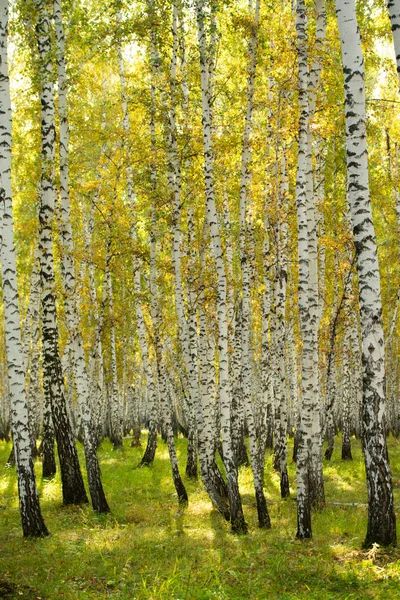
<point>149,548</point>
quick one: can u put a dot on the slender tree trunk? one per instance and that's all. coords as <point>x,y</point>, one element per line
<point>381,515</point>
<point>31,516</point>
<point>72,482</point>
<point>162,387</point>
<point>279,345</point>
<point>49,467</point>
<point>238,417</point>
<point>116,417</point>
<point>237,518</point>
<point>346,390</point>
<point>174,181</point>
<point>31,345</point>
<point>263,516</point>
<point>97,495</point>
<point>308,408</point>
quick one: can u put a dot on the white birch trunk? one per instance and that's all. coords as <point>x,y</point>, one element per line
<point>237,519</point>
<point>116,416</point>
<point>68,271</point>
<point>346,398</point>
<point>280,335</point>
<point>73,487</point>
<point>309,404</point>
<point>263,517</point>
<point>381,516</point>
<point>31,517</point>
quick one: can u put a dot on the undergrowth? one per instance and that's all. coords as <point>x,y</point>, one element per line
<point>150,548</point>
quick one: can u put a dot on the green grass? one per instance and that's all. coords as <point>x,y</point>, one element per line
<point>149,548</point>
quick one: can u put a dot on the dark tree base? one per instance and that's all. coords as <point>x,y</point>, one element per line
<point>116,442</point>
<point>238,523</point>
<point>180,489</point>
<point>219,501</point>
<point>385,541</point>
<point>33,524</point>
<point>317,497</point>
<point>328,453</point>
<point>150,452</point>
<point>11,458</point>
<point>295,447</point>
<point>264,521</point>
<point>381,530</point>
<point>346,452</point>
<point>191,464</point>
<point>285,491</point>
<point>218,481</point>
<point>49,467</point>
<point>136,444</point>
<point>242,459</point>
<point>73,488</point>
<point>305,532</point>
<point>96,490</point>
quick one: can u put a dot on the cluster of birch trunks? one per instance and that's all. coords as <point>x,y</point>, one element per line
<point>232,382</point>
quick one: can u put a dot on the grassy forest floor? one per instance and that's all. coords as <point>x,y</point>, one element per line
<point>149,548</point>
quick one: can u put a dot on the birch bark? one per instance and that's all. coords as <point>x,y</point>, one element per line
<point>68,271</point>
<point>152,401</point>
<point>31,516</point>
<point>263,517</point>
<point>174,180</point>
<point>237,518</point>
<point>381,515</point>
<point>308,401</point>
<point>116,414</point>
<point>72,482</point>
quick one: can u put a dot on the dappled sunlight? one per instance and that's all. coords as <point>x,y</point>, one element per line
<point>150,548</point>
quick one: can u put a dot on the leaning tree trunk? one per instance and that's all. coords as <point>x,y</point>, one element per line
<point>31,516</point>
<point>72,482</point>
<point>68,271</point>
<point>237,518</point>
<point>381,515</point>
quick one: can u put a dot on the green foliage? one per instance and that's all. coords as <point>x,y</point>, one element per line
<point>149,548</point>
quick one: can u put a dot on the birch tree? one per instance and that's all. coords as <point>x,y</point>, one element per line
<point>68,270</point>
<point>381,515</point>
<point>31,516</point>
<point>308,410</point>
<point>72,482</point>
<point>263,517</point>
<point>237,518</point>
